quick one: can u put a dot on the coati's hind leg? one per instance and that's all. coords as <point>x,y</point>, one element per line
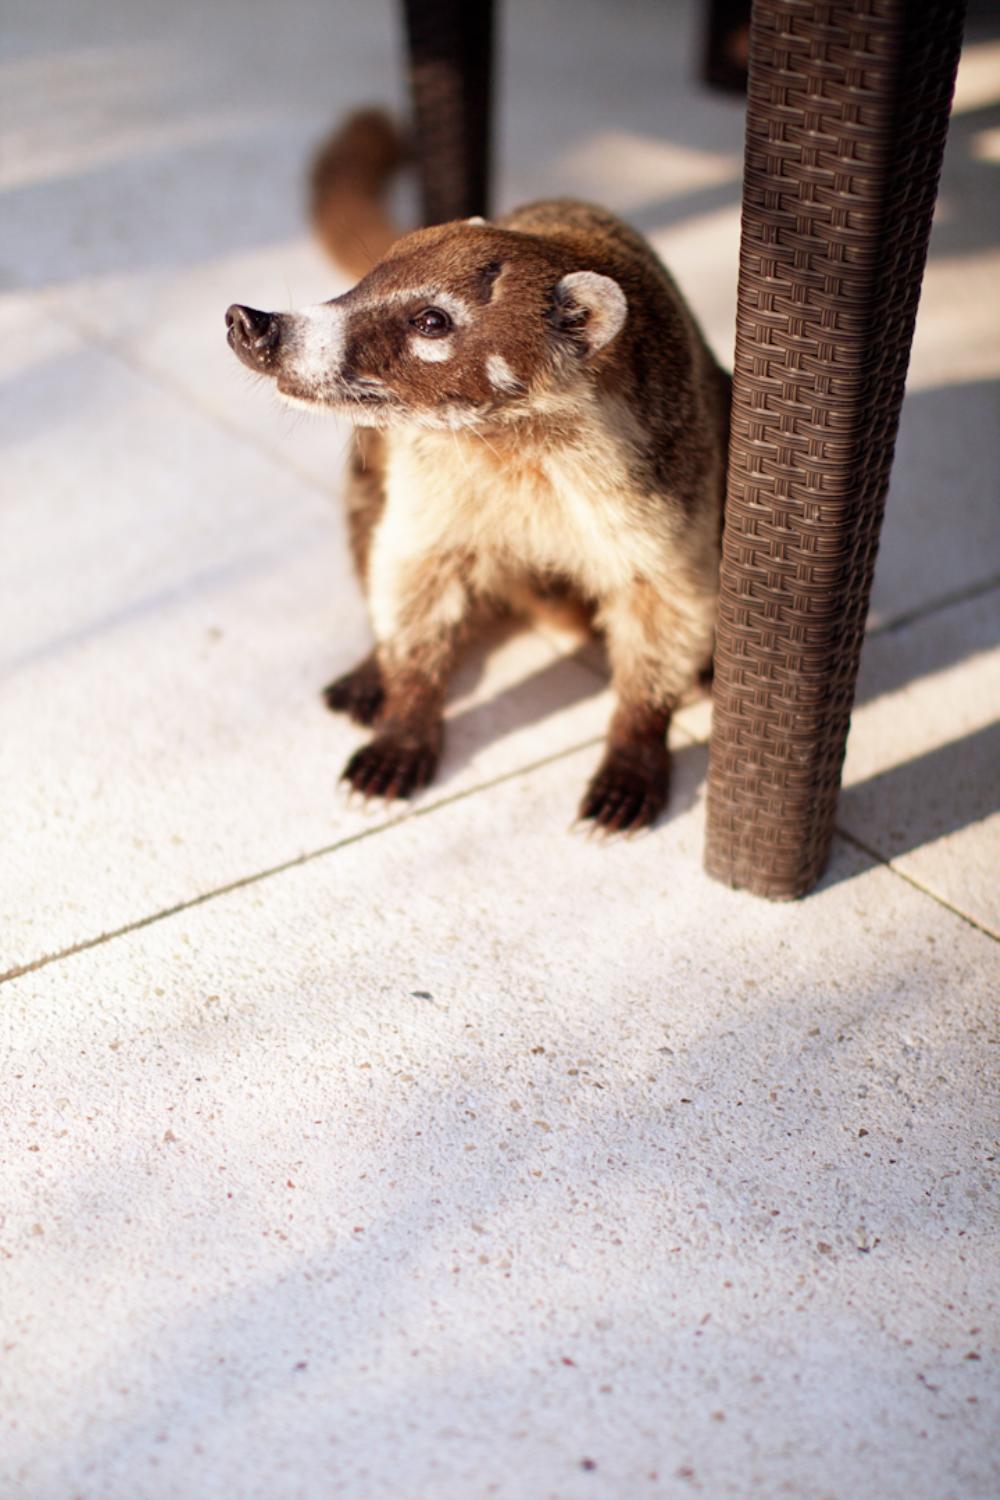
<point>657,646</point>
<point>629,789</point>
<point>359,693</point>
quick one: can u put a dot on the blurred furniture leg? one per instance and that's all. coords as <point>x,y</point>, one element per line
<point>450,45</point>
<point>726,44</point>
<point>847,115</point>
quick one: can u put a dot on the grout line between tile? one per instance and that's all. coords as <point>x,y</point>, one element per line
<point>945,601</point>
<point>123,351</point>
<point>20,970</point>
<point>259,876</point>
<point>917,885</point>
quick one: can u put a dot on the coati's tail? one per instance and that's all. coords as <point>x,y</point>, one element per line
<point>349,178</point>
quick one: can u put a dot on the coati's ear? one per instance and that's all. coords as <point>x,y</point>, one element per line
<point>589,309</point>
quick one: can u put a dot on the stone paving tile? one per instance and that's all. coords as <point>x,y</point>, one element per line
<point>476,1159</point>
<point>922,776</point>
<point>940,534</point>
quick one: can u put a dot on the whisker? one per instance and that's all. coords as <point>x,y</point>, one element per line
<point>359,240</point>
<point>484,439</point>
<point>458,452</point>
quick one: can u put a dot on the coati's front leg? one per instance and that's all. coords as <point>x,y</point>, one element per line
<point>419,607</point>
<point>657,647</point>
<point>359,693</point>
<point>403,756</point>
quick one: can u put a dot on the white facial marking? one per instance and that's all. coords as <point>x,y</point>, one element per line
<point>427,295</point>
<point>431,351</point>
<point>501,376</point>
<point>299,403</point>
<point>317,344</point>
<point>476,219</point>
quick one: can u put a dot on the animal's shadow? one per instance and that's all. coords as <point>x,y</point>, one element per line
<point>573,685</point>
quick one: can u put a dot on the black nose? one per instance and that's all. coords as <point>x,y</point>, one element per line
<point>253,335</point>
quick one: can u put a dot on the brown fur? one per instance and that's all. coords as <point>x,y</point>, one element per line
<point>364,495</point>
<point>540,421</point>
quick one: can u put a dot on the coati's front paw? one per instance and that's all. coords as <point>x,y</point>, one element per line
<point>388,767</point>
<point>359,693</point>
<point>628,791</point>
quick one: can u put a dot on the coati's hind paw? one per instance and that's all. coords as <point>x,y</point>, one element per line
<point>389,768</point>
<point>359,693</point>
<point>628,791</point>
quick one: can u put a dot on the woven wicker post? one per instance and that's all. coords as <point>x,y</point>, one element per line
<point>847,115</point>
<point>450,45</point>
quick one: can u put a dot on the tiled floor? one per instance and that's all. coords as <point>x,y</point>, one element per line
<point>451,1154</point>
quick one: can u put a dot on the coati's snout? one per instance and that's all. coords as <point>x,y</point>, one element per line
<point>253,336</point>
<point>307,355</point>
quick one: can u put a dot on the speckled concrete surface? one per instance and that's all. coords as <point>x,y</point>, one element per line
<point>453,1164</point>
<point>450,1155</point>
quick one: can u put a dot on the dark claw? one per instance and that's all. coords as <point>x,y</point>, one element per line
<point>386,768</point>
<point>358,693</point>
<point>625,796</point>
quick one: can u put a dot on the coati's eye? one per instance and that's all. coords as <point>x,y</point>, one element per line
<point>432,322</point>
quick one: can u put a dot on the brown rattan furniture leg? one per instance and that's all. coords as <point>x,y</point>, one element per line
<point>449,48</point>
<point>847,115</point>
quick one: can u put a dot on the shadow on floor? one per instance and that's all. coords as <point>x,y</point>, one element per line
<point>926,798</point>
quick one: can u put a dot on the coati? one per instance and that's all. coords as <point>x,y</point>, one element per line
<point>539,421</point>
